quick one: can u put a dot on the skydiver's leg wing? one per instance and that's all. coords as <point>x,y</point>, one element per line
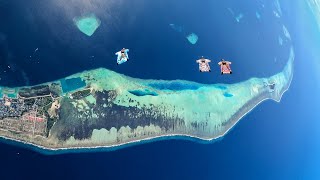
<point>123,60</point>
<point>119,57</point>
<point>228,67</point>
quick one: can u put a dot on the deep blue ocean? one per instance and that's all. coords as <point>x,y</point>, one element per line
<point>274,141</point>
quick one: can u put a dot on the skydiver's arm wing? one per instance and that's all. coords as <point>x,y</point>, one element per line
<point>219,63</point>
<point>208,60</point>
<point>198,61</point>
<point>119,55</point>
<point>127,50</point>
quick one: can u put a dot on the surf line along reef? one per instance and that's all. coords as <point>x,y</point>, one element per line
<point>102,108</point>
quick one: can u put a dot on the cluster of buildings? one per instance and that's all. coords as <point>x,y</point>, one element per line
<point>21,117</point>
<point>10,107</point>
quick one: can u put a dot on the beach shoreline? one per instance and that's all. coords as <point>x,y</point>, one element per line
<point>155,138</point>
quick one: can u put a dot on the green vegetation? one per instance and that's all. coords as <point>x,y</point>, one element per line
<point>81,94</point>
<point>50,123</point>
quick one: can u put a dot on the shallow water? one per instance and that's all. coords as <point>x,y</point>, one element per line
<point>261,146</point>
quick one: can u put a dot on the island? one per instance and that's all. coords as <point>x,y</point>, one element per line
<point>102,108</point>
